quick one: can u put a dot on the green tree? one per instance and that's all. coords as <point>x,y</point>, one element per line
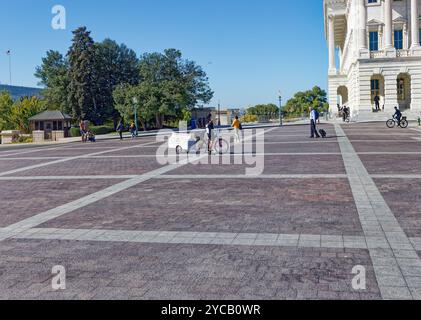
<point>263,112</point>
<point>169,86</point>
<point>302,101</point>
<point>53,75</point>
<point>6,104</point>
<point>114,64</point>
<point>81,95</point>
<point>22,110</point>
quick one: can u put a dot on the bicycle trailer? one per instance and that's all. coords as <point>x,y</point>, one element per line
<point>185,142</point>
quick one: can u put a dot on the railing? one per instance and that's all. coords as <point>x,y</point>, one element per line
<point>402,53</point>
<point>376,54</point>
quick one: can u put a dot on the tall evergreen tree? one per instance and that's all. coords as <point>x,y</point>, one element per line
<point>53,75</point>
<point>81,95</point>
<point>114,64</point>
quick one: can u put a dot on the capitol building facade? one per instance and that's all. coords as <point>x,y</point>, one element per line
<point>374,51</point>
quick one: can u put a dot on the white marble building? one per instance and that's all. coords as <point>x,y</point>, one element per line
<point>374,49</point>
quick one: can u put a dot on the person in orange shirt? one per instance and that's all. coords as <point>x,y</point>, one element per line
<point>237,127</point>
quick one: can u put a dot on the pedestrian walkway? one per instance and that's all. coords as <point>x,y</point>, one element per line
<point>126,227</point>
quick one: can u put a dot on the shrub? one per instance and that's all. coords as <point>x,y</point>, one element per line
<point>101,130</point>
<point>249,118</point>
<point>24,139</point>
<point>74,132</point>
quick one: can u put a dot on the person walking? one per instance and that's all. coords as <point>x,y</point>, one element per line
<point>313,123</point>
<point>82,129</point>
<point>236,124</point>
<point>209,132</point>
<point>133,130</point>
<point>120,129</point>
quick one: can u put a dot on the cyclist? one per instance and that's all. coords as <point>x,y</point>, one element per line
<point>398,115</point>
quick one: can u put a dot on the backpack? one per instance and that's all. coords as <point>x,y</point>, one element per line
<point>317,115</point>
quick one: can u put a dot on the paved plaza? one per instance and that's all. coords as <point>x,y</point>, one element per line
<point>127,227</point>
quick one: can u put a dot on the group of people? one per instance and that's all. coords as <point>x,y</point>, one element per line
<point>133,130</point>
<point>344,112</point>
<point>85,132</point>
<point>210,127</point>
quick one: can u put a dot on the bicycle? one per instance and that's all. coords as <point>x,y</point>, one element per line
<point>394,122</point>
<point>347,119</point>
<point>219,145</point>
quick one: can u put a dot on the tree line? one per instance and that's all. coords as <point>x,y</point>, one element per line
<point>301,102</point>
<point>297,106</point>
<point>107,81</point>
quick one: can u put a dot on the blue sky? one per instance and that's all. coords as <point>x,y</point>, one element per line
<point>250,49</point>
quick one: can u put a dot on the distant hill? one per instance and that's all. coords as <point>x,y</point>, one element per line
<point>18,92</point>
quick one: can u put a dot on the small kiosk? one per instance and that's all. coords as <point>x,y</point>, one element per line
<point>54,124</point>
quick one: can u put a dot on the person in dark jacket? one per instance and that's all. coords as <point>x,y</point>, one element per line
<point>120,129</point>
<point>209,132</point>
<point>398,115</point>
<point>377,102</point>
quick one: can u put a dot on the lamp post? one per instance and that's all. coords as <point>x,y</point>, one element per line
<point>9,54</point>
<point>219,114</point>
<point>280,110</point>
<point>135,101</point>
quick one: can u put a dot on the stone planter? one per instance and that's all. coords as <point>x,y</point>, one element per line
<point>38,136</point>
<point>57,135</point>
<point>9,136</point>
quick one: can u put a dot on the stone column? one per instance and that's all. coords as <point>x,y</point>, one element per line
<point>388,25</point>
<point>415,46</point>
<point>331,35</point>
<point>362,30</point>
<point>389,48</point>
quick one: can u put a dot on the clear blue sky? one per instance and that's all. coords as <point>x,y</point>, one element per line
<point>254,47</point>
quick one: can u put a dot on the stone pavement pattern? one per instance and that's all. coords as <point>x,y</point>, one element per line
<point>126,227</point>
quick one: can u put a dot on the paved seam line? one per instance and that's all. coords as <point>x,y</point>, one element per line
<point>215,238</point>
<point>391,252</point>
<point>260,176</point>
<point>269,239</point>
<point>181,177</point>
<point>210,176</point>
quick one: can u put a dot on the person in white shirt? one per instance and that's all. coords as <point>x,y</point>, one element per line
<point>313,123</point>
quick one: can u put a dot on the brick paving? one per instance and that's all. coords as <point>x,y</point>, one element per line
<point>155,272</point>
<point>22,199</point>
<point>225,206</point>
<point>200,232</point>
<point>405,205</point>
<point>11,165</point>
<point>392,163</point>
<point>120,166</point>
